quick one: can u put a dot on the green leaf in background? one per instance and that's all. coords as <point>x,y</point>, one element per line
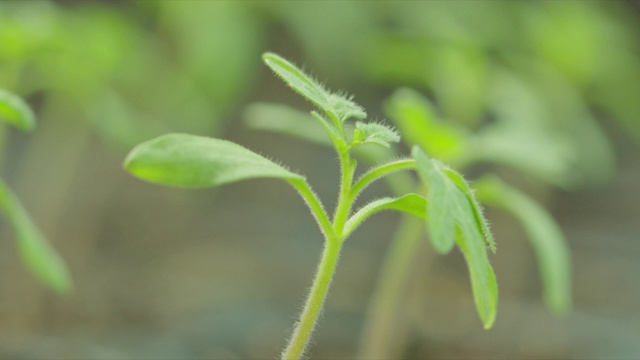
<point>195,161</point>
<point>298,81</point>
<point>543,155</point>
<point>36,252</point>
<point>234,38</point>
<point>545,235</point>
<point>413,204</point>
<point>373,133</point>
<point>285,120</point>
<point>15,111</point>
<point>419,125</point>
<point>453,217</point>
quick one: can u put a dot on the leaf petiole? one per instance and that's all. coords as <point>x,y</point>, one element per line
<point>379,172</point>
<point>310,197</point>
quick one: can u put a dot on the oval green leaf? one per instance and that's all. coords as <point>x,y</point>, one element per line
<point>198,162</point>
<point>39,256</point>
<point>15,111</point>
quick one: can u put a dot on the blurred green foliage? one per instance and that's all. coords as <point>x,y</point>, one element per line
<point>131,77</point>
<point>34,249</point>
<point>527,85</point>
<point>138,69</point>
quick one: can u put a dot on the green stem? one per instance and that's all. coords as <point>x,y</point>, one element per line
<point>315,206</point>
<point>345,200</point>
<point>313,306</point>
<point>383,310</point>
<point>334,238</point>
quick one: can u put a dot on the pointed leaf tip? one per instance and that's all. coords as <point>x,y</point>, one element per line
<point>545,235</point>
<point>302,83</point>
<point>340,106</point>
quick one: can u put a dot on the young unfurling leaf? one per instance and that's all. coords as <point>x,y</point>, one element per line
<point>345,108</point>
<point>373,133</point>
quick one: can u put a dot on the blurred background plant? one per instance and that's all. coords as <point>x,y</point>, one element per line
<point>550,89</point>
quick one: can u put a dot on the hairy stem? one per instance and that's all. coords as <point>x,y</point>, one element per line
<point>315,301</point>
<point>380,171</point>
<point>344,200</point>
<point>333,242</point>
<point>315,206</point>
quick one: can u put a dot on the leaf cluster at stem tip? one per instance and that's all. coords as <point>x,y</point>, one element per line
<point>336,108</point>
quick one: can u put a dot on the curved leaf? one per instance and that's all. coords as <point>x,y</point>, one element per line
<point>36,252</point>
<point>545,236</point>
<point>15,111</point>
<point>454,218</point>
<point>196,162</point>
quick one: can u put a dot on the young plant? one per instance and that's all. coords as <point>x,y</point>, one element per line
<point>36,252</point>
<point>452,215</point>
